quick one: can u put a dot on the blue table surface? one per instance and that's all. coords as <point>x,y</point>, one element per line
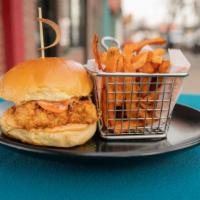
<point>169,176</point>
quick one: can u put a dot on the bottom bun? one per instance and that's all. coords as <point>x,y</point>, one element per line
<point>64,136</point>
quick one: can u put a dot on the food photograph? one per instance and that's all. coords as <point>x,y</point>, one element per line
<point>99,99</point>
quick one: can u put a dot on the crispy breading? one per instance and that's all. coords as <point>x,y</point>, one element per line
<point>31,115</point>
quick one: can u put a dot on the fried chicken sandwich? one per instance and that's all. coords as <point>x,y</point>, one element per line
<point>52,103</point>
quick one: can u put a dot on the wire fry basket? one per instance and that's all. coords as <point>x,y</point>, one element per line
<point>135,105</point>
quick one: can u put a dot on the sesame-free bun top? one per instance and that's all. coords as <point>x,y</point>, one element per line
<point>51,79</point>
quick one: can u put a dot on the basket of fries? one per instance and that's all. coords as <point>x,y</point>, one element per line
<point>134,91</point>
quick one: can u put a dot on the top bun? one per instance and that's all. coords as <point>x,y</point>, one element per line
<point>51,79</point>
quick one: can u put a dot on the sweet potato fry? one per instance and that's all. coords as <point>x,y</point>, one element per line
<point>127,54</point>
<point>155,56</point>
<point>108,108</point>
<point>164,67</point>
<point>120,81</point>
<point>156,59</point>
<point>156,82</point>
<point>154,41</point>
<point>156,67</point>
<point>131,96</point>
<point>145,116</point>
<point>145,85</point>
<point>108,94</point>
<point>128,65</point>
<point>159,52</point>
<point>104,106</point>
<point>128,50</point>
<point>139,60</point>
<point>131,91</point>
<point>120,63</point>
<point>153,95</point>
<point>111,60</point>
<point>124,126</point>
<point>147,68</point>
<point>111,104</point>
<point>111,66</point>
<point>110,88</point>
<point>95,51</point>
<point>103,57</point>
<point>150,56</point>
<point>135,47</point>
<point>148,100</point>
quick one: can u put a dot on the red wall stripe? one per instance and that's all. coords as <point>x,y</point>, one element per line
<point>13,31</point>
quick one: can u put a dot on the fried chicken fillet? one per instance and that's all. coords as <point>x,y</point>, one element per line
<point>44,114</point>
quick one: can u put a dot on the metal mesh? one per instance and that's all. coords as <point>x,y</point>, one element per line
<point>135,107</point>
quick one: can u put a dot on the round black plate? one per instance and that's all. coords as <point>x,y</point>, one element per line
<point>184,132</point>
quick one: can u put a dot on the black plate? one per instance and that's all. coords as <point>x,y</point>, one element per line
<point>184,132</point>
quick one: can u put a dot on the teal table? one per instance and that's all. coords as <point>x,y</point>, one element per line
<point>170,176</point>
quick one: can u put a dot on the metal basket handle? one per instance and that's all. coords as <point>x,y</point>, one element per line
<point>112,40</point>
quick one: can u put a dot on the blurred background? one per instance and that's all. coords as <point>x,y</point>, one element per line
<point>127,20</point>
